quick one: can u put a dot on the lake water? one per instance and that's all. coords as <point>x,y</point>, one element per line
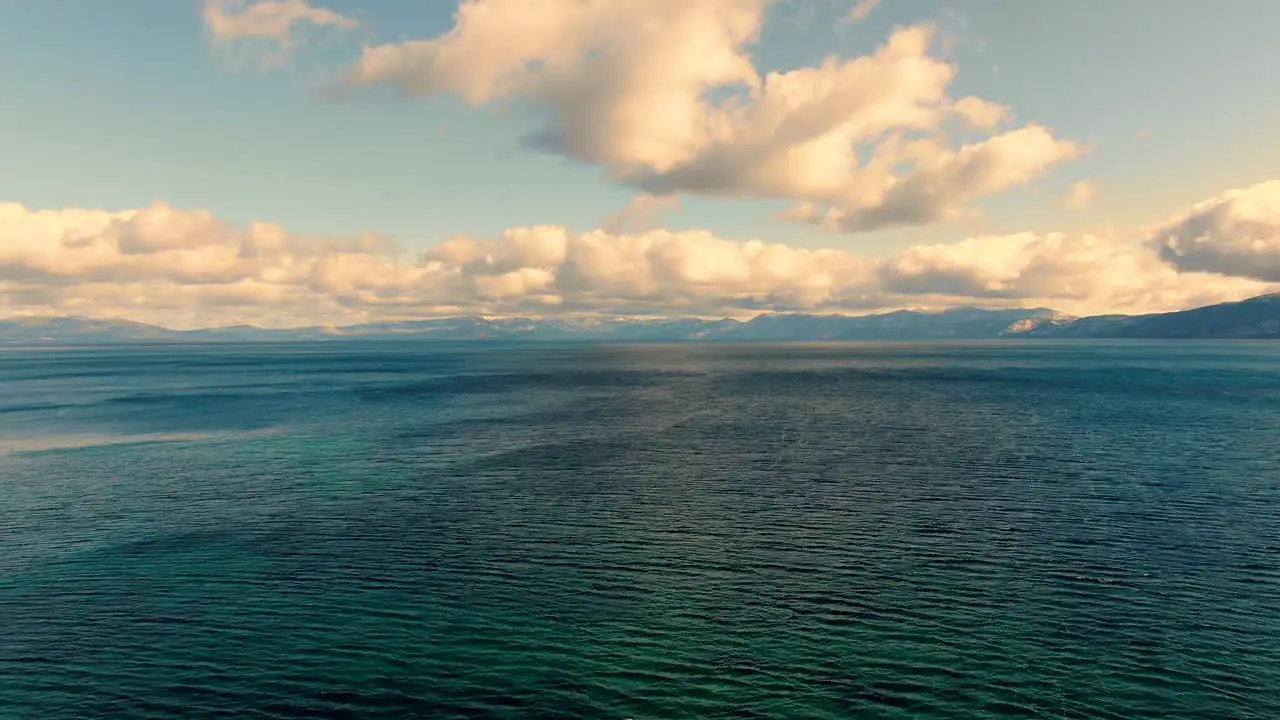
<point>984,530</point>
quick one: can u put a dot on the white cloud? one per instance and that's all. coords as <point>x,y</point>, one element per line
<point>657,271</point>
<point>860,11</point>
<point>642,212</point>
<point>187,267</point>
<point>1082,274</point>
<point>276,21</point>
<point>1081,195</point>
<point>157,262</point>
<point>1236,233</point>
<point>664,95</point>
<point>981,114</point>
<point>945,180</point>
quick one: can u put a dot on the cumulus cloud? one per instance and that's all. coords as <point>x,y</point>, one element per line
<point>664,95</point>
<point>1083,274</point>
<point>1081,195</point>
<point>275,21</point>
<point>1236,233</point>
<point>658,271</point>
<point>981,114</point>
<point>944,180</point>
<point>159,262</point>
<point>182,268</point>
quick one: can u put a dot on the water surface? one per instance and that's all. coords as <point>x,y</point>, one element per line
<point>985,530</point>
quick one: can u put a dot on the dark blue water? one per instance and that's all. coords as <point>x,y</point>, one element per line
<point>659,532</point>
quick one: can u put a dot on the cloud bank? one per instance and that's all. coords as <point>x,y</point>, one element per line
<point>184,268</point>
<point>1236,233</point>
<point>664,96</point>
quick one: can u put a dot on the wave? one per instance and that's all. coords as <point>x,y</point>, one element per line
<point>84,441</point>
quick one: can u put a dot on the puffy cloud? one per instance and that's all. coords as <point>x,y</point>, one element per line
<point>275,21</point>
<point>981,114</point>
<point>944,180</point>
<point>657,271</point>
<point>664,95</point>
<point>1081,274</point>
<point>1236,233</point>
<point>187,267</point>
<point>157,262</point>
<point>1081,195</point>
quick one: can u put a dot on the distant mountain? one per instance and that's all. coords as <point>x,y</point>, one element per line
<point>954,324</point>
<point>478,328</point>
<point>474,328</point>
<point>957,324</point>
<point>235,333</point>
<point>77,331</point>
<point>1256,318</point>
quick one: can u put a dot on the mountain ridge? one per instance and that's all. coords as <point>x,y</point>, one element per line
<point>1254,318</point>
<point>1257,317</point>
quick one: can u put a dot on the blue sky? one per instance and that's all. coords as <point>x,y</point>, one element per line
<point>113,105</point>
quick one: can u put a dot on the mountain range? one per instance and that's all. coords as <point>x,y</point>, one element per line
<point>1255,318</point>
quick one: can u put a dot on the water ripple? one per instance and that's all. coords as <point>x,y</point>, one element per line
<point>949,531</point>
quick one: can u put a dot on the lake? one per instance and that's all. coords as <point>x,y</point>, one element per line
<point>968,530</point>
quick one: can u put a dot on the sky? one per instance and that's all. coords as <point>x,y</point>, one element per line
<point>299,162</point>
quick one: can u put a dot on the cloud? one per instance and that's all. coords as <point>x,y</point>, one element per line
<point>181,268</point>
<point>1081,195</point>
<point>981,114</point>
<point>159,262</point>
<point>1083,274</point>
<point>643,212</point>
<point>945,180</point>
<point>1236,233</point>
<point>664,95</point>
<point>860,11</point>
<point>275,21</point>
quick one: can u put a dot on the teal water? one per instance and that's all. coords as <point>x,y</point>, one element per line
<point>650,532</point>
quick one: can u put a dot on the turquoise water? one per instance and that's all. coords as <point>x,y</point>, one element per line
<point>650,532</point>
